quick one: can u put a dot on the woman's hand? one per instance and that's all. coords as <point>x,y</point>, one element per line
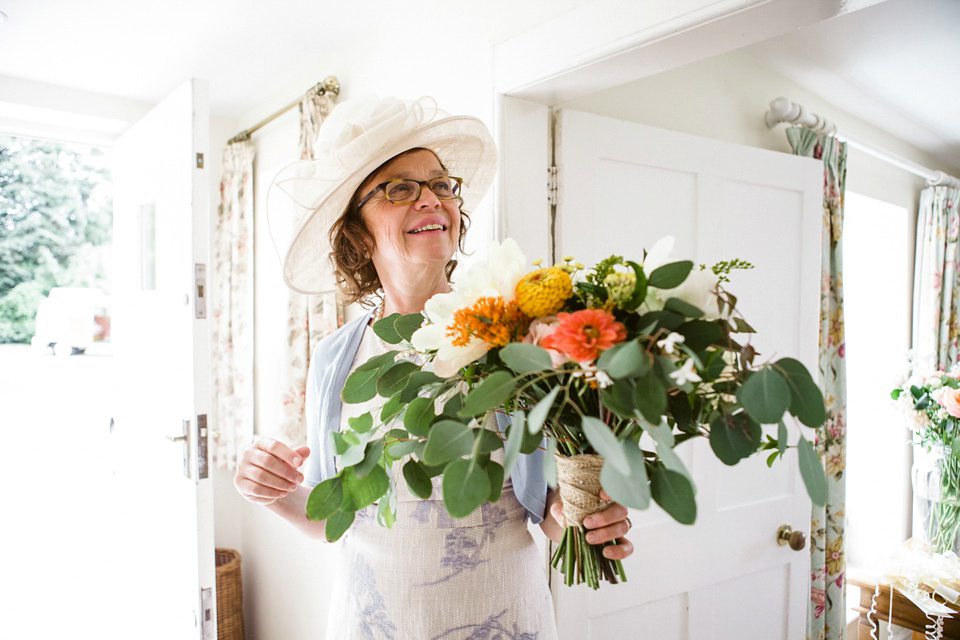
<point>610,524</point>
<point>267,471</point>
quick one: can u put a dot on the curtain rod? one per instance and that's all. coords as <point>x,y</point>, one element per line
<point>784,110</point>
<point>329,85</point>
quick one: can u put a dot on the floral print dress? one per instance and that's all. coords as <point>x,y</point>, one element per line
<point>435,577</point>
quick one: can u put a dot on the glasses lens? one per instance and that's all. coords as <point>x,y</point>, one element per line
<point>402,191</point>
<point>445,187</point>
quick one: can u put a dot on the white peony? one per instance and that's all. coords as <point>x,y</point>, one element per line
<point>497,274</point>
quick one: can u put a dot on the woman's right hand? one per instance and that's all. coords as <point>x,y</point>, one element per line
<point>267,471</point>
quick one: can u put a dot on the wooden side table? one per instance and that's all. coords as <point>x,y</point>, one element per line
<point>905,613</point>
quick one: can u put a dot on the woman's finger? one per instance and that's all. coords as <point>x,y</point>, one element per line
<point>618,551</point>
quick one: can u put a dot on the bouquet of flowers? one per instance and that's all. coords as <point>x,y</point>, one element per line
<point>607,368</point>
<point>932,403</point>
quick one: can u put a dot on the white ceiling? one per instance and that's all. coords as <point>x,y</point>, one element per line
<point>894,64</point>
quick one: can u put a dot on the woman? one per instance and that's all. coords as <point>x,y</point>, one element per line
<point>384,190</point>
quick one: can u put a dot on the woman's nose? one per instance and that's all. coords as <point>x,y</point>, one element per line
<point>427,198</point>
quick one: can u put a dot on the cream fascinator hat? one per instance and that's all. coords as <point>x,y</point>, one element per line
<point>357,137</point>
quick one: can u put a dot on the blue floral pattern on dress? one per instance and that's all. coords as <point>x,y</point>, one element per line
<point>371,609</point>
<point>490,629</point>
<point>463,546</point>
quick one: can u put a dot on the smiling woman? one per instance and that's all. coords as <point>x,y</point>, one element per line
<point>383,214</point>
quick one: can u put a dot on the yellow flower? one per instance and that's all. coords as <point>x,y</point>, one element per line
<point>489,319</point>
<point>834,556</point>
<point>543,292</point>
<point>620,286</point>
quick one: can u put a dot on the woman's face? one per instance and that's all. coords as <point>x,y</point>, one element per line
<point>398,230</point>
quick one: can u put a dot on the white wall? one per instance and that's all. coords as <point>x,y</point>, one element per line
<point>725,98</point>
<point>287,576</point>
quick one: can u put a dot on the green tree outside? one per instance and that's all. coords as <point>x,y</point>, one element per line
<point>56,212</point>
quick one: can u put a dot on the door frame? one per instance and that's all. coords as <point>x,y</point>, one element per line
<point>582,52</point>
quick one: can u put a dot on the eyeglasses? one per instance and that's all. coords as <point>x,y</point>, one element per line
<point>407,191</point>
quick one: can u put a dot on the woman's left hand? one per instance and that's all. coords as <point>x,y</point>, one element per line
<point>610,524</point>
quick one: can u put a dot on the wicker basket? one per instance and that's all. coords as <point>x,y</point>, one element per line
<point>229,596</point>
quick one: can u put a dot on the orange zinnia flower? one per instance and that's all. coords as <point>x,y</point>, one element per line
<point>490,319</point>
<point>582,335</point>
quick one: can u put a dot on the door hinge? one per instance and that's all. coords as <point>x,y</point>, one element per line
<point>200,283</point>
<point>552,186</point>
<point>199,161</point>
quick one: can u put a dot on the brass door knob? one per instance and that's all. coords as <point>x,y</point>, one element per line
<point>796,539</point>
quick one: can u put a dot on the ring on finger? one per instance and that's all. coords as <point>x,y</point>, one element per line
<point>629,524</point>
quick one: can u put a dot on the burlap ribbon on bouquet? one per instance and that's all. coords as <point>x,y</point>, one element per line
<point>579,480</point>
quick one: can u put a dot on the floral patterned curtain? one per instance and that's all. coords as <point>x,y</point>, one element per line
<point>936,334</point>
<point>826,611</point>
<point>232,281</point>
<point>309,318</point>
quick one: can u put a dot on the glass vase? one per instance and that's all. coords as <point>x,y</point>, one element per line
<point>936,492</point>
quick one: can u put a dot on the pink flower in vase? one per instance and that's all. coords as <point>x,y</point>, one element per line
<point>950,400</point>
<point>540,329</point>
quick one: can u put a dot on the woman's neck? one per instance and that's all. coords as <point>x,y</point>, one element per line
<point>409,293</point>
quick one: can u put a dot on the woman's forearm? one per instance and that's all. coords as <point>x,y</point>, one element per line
<point>293,509</point>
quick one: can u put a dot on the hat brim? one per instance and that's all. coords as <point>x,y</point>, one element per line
<point>462,143</point>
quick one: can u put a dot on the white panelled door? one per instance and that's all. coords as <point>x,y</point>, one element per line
<point>164,498</point>
<point>622,186</point>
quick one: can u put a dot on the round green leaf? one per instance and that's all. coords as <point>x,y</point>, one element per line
<point>397,328</point>
<point>391,409</point>
<point>700,334</point>
<point>765,395</point>
<point>495,475</point>
<point>812,471</point>
<point>525,358</point>
<point>362,492</point>
<point>491,393</point>
<point>605,443</point>
<point>362,423</point>
<point>419,416</point>
<point>619,398</point>
<point>806,399</point>
<point>360,386</point>
<point>488,441</point>
<point>674,493</point>
<point>466,486</point>
<point>371,457</point>
<point>670,275</point>
<point>337,524</point>
<point>394,379</point>
<point>682,307</point>
<point>325,498</point>
<point>417,479</point>
<point>447,440</point>
<point>734,437</point>
<point>515,432</point>
<point>625,360</point>
<point>650,397</point>
<point>405,447</point>
<point>629,489</point>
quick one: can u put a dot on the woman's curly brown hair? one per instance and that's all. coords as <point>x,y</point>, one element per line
<point>353,245</point>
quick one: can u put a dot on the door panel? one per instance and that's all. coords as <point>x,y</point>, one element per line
<point>622,186</point>
<point>164,525</point>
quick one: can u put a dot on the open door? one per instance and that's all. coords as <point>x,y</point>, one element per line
<point>621,187</point>
<point>165,561</point>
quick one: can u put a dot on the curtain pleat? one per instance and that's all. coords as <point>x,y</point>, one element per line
<point>935,332</point>
<point>309,318</point>
<point>232,330</point>
<point>826,611</point>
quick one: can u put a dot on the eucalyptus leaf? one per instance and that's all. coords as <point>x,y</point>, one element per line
<point>782,438</point>
<point>488,441</point>
<point>765,395</point>
<point>539,412</point>
<point>394,379</point>
<point>619,398</point>
<point>360,386</point>
<point>489,394</point>
<point>371,458</point>
<point>700,334</point>
<point>465,487</point>
<point>806,398</point>
<point>625,360</point>
<point>415,383</point>
<point>734,437</point>
<point>650,397</point>
<point>629,489</point>
<point>354,454</point>
<point>663,319</point>
<point>674,493</point>
<point>495,475</point>
<point>525,358</point>
<point>682,412</point>
<point>364,491</point>
<point>397,328</point>
<point>417,479</point>
<point>812,471</point>
<point>550,463</point>
<point>361,423</point>
<point>447,440</point>
<point>511,450</point>
<point>377,362</point>
<point>337,524</point>
<point>325,498</point>
<point>605,443</point>
<point>682,307</point>
<point>387,510</point>
<point>419,416</point>
<point>403,448</point>
<point>391,409</point>
<point>639,289</point>
<point>670,276</point>
<point>672,462</point>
